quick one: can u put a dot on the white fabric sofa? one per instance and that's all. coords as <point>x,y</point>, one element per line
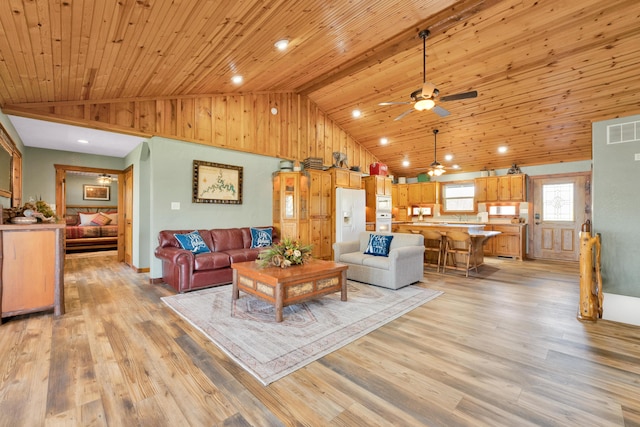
<point>402,267</point>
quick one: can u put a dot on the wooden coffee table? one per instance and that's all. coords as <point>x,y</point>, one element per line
<point>292,285</point>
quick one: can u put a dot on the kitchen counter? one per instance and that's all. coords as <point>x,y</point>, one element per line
<point>476,231</point>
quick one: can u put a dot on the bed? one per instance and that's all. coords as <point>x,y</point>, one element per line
<point>91,228</point>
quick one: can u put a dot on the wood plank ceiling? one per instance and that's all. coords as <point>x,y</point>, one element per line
<point>544,70</point>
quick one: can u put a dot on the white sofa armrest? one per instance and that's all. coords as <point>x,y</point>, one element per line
<point>340,248</point>
<point>406,256</point>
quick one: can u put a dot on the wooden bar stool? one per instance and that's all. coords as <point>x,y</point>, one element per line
<point>433,248</point>
<point>459,243</point>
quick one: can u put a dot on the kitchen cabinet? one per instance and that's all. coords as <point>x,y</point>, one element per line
<point>422,193</point>
<point>403,195</point>
<point>511,242</point>
<point>291,205</point>
<point>377,185</point>
<point>32,278</point>
<point>346,178</point>
<point>320,213</point>
<point>507,188</point>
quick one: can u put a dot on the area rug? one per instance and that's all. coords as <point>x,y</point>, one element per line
<point>247,332</point>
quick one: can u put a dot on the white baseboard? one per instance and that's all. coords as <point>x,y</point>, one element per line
<point>621,308</point>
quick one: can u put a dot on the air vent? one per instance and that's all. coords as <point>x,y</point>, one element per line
<point>624,132</point>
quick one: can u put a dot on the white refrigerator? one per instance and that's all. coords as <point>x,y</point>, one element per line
<point>350,214</point>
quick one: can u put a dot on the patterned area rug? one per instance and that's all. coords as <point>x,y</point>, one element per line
<point>247,331</point>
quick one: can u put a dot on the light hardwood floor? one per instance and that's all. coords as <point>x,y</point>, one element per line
<point>503,348</point>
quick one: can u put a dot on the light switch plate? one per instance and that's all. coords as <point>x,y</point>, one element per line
<point>175,206</point>
<point>637,157</point>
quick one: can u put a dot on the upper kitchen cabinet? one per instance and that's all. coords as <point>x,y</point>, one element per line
<point>346,179</point>
<point>377,185</point>
<point>423,193</point>
<point>507,188</point>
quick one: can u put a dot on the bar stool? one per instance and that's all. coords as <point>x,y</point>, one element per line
<point>433,245</point>
<point>459,243</point>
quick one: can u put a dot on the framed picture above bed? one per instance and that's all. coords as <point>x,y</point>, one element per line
<point>96,192</point>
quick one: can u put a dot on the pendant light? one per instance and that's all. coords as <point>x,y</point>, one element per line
<point>435,168</point>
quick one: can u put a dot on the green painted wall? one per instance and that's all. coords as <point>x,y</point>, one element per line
<point>39,173</point>
<point>616,208</point>
<point>171,177</point>
<point>75,191</point>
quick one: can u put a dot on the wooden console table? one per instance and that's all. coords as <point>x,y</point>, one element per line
<point>292,285</point>
<point>31,268</point>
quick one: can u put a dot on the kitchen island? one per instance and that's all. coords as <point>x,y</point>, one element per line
<point>475,230</point>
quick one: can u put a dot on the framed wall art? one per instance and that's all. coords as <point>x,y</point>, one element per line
<point>96,192</point>
<point>217,183</point>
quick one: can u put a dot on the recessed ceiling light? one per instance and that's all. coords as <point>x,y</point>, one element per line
<point>282,44</point>
<point>83,141</point>
<point>502,149</point>
<point>356,113</point>
<point>236,79</point>
<point>448,157</point>
<point>456,166</point>
<point>384,141</point>
<point>405,163</point>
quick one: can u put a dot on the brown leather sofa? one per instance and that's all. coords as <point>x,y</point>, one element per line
<point>184,271</point>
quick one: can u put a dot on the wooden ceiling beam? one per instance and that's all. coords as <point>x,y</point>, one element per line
<point>405,40</point>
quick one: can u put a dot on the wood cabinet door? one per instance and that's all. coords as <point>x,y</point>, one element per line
<point>415,194</point>
<point>28,269</point>
<point>428,192</point>
<point>492,189</point>
<point>403,195</point>
<point>506,244</point>
<point>355,180</point>
<point>504,188</point>
<point>321,237</point>
<point>341,178</point>
<point>394,196</point>
<point>480,189</point>
<point>518,188</point>
<point>388,185</point>
<point>320,194</point>
<point>489,244</point>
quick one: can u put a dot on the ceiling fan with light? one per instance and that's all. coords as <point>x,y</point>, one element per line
<point>424,98</point>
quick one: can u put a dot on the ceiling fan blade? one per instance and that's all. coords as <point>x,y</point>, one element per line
<point>463,95</point>
<point>402,115</point>
<point>394,103</point>
<point>440,111</point>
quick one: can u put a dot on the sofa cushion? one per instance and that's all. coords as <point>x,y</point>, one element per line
<point>379,245</point>
<point>381,262</point>
<point>227,238</point>
<point>261,237</point>
<point>353,258</point>
<point>192,242</point>
<point>211,261</point>
<point>242,255</point>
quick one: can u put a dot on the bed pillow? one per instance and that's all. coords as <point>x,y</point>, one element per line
<point>86,217</point>
<point>193,242</point>
<point>113,215</point>
<point>261,237</point>
<point>378,245</point>
<point>101,219</point>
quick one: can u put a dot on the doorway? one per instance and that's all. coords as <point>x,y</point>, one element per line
<point>561,204</point>
<point>61,197</point>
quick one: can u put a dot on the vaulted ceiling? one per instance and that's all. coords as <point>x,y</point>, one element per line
<point>544,70</point>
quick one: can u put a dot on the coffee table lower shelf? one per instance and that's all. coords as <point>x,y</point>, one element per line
<point>285,286</point>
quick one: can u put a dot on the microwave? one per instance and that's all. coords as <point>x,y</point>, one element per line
<point>383,203</point>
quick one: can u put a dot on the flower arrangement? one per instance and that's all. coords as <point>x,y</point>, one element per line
<point>287,252</point>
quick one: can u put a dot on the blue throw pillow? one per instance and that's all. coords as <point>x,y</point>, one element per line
<point>261,237</point>
<point>193,242</point>
<point>378,245</point>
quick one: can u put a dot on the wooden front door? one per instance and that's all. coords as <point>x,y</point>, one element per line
<point>561,204</point>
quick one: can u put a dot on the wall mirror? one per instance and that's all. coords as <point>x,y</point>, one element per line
<point>6,163</point>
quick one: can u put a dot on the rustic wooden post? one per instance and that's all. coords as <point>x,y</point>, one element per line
<point>590,292</point>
